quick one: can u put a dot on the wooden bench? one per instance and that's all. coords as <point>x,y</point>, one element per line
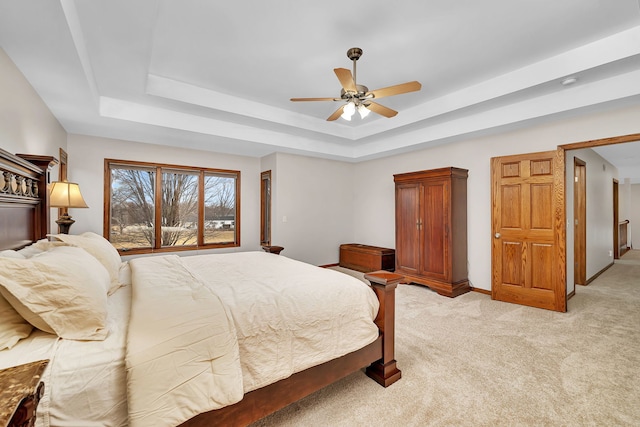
<point>367,258</point>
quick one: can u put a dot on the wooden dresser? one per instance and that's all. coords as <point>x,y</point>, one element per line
<point>431,229</point>
<point>20,392</point>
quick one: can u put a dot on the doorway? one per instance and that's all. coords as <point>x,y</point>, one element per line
<point>579,221</point>
<point>610,226</point>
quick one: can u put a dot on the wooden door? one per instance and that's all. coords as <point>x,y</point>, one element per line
<point>435,229</point>
<point>408,225</point>
<point>527,249</point>
<point>579,221</point>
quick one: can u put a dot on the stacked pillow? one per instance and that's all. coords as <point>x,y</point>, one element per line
<point>100,248</point>
<point>59,287</point>
<point>13,327</point>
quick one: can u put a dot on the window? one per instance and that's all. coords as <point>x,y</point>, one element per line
<point>151,207</point>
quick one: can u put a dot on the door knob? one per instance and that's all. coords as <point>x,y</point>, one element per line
<point>497,235</point>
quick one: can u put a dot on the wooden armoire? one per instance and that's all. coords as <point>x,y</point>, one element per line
<point>431,229</point>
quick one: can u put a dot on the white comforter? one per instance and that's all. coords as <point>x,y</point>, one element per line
<point>206,329</point>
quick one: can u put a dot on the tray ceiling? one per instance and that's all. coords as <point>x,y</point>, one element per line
<point>218,75</point>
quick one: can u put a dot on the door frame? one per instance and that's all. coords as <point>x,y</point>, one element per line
<point>616,220</point>
<point>579,222</point>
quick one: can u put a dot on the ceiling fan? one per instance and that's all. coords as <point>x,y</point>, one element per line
<point>360,98</point>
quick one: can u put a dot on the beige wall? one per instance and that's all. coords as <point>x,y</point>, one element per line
<point>86,159</point>
<point>630,209</point>
<point>373,214</point>
<point>326,202</point>
<point>599,210</point>
<point>26,124</point>
<point>313,205</point>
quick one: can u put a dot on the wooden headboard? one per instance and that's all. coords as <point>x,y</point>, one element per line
<point>24,207</point>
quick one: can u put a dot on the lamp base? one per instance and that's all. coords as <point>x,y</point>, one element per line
<point>64,223</point>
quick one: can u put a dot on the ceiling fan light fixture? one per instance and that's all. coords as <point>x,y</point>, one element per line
<point>348,111</point>
<point>358,97</point>
<point>363,111</point>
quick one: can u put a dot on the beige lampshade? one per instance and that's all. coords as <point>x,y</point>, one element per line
<point>66,195</point>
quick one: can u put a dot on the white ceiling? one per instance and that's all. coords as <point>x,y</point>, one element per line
<point>218,75</point>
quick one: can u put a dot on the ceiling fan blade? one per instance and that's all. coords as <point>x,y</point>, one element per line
<point>335,114</point>
<point>315,99</point>
<point>396,90</point>
<point>346,79</point>
<point>381,109</point>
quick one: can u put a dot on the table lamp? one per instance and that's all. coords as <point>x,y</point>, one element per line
<point>65,194</point>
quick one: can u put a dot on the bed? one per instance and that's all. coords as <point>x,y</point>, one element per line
<point>142,359</point>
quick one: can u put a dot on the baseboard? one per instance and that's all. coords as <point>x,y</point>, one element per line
<point>481,291</point>
<point>571,294</point>
<point>595,276</point>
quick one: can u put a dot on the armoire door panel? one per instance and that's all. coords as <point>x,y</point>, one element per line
<point>435,219</point>
<point>407,226</point>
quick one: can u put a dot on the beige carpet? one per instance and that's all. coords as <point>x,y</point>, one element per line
<point>630,257</point>
<point>470,361</point>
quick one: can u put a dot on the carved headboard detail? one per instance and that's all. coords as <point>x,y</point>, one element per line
<point>18,185</point>
<point>24,210</point>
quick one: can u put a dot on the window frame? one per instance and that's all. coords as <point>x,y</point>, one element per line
<point>157,197</point>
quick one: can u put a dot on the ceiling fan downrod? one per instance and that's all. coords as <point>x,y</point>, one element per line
<point>354,54</point>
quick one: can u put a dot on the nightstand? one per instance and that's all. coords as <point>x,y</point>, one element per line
<point>20,392</point>
<point>273,249</point>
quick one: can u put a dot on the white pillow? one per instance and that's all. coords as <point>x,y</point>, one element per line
<point>38,247</point>
<point>13,327</point>
<point>60,291</point>
<point>11,254</point>
<point>100,248</point>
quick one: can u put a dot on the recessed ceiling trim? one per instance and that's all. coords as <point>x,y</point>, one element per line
<point>75,29</point>
<point>141,113</point>
<point>613,48</point>
<point>595,93</point>
<point>192,94</point>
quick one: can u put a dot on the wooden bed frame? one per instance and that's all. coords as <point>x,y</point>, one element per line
<point>377,357</point>
<point>24,218</point>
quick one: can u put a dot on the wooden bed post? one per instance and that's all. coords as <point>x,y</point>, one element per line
<point>384,371</point>
<point>44,163</point>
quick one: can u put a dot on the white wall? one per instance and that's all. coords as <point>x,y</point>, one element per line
<point>633,215</point>
<point>86,167</point>
<point>629,204</point>
<point>326,202</point>
<point>373,214</point>
<point>316,197</point>
<point>600,176</point>
<point>26,124</point>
